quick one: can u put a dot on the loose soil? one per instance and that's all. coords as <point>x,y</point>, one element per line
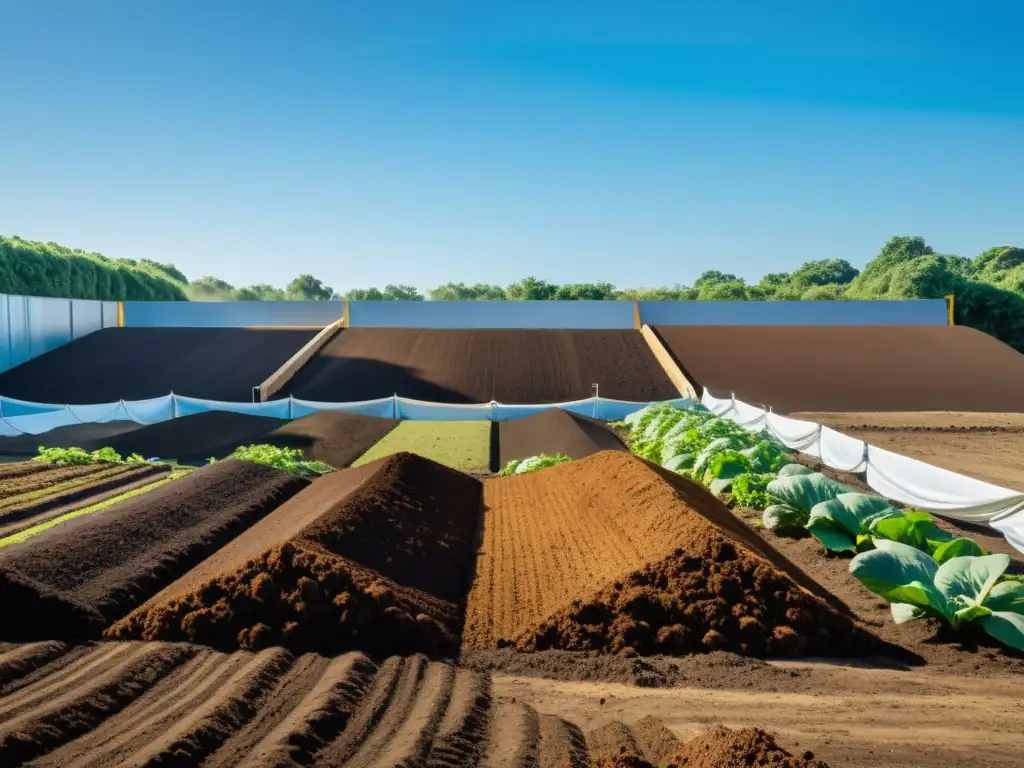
<point>331,436</point>
<point>611,553</point>
<point>139,363</point>
<point>555,431</point>
<point>40,476</point>
<point>71,581</point>
<point>852,368</point>
<point>18,517</point>
<point>195,438</point>
<point>377,558</point>
<point>72,436</point>
<point>160,703</point>
<point>477,366</point>
<point>987,446</point>
<point>463,445</point>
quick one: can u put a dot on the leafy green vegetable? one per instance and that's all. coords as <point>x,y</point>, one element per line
<point>804,492</point>
<point>68,457</point>
<point>510,468</point>
<point>916,529</point>
<point>724,466</point>
<point>135,458</point>
<point>783,519</point>
<point>533,463</point>
<point>794,469</point>
<point>106,456</point>
<point>844,523</point>
<point>750,490</point>
<point>766,456</point>
<point>681,462</point>
<point>288,459</point>
<point>960,591</point>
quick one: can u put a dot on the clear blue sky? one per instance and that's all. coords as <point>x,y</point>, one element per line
<point>421,142</point>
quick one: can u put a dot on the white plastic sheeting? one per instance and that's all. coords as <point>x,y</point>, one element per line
<point>18,417</point>
<point>892,475</point>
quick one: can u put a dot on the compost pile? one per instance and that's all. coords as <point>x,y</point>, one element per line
<point>333,437</point>
<point>377,558</point>
<point>722,747</point>
<point>555,431</point>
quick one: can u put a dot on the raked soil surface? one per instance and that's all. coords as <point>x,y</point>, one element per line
<point>986,446</point>
<point>156,704</point>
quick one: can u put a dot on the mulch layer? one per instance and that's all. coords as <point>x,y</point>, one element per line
<point>76,578</point>
<point>852,368</point>
<point>555,431</point>
<point>476,366</point>
<point>331,436</point>
<point>377,558</point>
<point>139,363</point>
<point>72,436</point>
<point>194,438</point>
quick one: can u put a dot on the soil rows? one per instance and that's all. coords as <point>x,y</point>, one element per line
<point>609,553</point>
<point>476,366</point>
<point>555,431</point>
<point>377,558</point>
<point>157,703</point>
<point>74,579</point>
<point>852,368</point>
<point>72,436</point>
<point>139,363</point>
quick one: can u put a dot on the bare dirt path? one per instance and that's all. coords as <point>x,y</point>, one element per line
<point>853,718</point>
<point>987,446</point>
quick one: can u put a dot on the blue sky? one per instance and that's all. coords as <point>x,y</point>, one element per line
<point>415,142</point>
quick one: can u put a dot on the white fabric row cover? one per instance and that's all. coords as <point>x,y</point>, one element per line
<point>892,475</point>
<point>22,418</point>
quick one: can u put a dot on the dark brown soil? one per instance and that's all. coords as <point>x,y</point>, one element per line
<point>476,366</point>
<point>94,569</point>
<point>333,437</point>
<point>115,480</point>
<point>73,436</point>
<point>375,558</point>
<point>831,368</point>
<point>717,669</point>
<point>722,747</point>
<point>13,486</point>
<point>138,363</point>
<point>555,431</point>
<point>193,439</point>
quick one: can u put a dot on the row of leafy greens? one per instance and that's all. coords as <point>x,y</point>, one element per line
<point>901,554</point>
<point>532,464</point>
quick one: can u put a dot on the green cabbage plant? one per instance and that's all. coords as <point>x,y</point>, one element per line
<point>961,590</point>
<point>845,522</point>
<point>766,456</point>
<point>723,467</point>
<point>798,494</point>
<point>533,463</point>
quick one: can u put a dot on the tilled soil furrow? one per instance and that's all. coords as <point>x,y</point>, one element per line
<point>393,688</point>
<point>88,665</point>
<point>562,744</point>
<point>460,737</point>
<point>656,741</point>
<point>310,707</point>
<point>36,481</point>
<point>610,742</point>
<point>514,738</point>
<point>411,739</point>
<point>65,715</point>
<point>19,660</point>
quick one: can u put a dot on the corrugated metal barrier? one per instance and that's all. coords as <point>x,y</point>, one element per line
<point>31,326</point>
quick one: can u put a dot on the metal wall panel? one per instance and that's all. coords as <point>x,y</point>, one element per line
<point>49,324</point>
<point>492,314</point>
<point>231,314</point>
<point>882,312</point>
<point>109,309</point>
<point>86,317</point>
<point>31,326</point>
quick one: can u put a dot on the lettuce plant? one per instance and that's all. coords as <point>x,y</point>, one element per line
<point>960,591</point>
<point>845,522</point>
<point>798,495</point>
<point>542,461</point>
<point>750,490</point>
<point>789,470</point>
<point>288,459</point>
<point>723,467</point>
<point>766,456</point>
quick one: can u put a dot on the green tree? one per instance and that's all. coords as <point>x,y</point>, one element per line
<point>824,272</point>
<point>714,276</point>
<point>308,288</point>
<point>167,269</point>
<point>531,289</point>
<point>260,292</point>
<point>401,293</point>
<point>209,288</point>
<point>733,290</point>
<point>831,292</point>
<point>463,292</point>
<point>585,292</point>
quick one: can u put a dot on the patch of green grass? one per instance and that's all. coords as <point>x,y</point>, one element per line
<point>28,533</point>
<point>464,445</point>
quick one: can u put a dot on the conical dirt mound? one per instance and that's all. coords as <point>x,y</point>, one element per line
<point>377,558</point>
<point>608,554</point>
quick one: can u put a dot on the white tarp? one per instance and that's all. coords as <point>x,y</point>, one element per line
<point>892,475</point>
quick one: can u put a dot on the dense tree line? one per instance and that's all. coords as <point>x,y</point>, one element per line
<point>48,269</point>
<point>989,289</point>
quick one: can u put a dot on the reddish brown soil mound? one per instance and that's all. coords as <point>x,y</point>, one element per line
<point>476,366</point>
<point>555,431</point>
<point>818,368</point>
<point>607,553</point>
<point>101,566</point>
<point>75,435</point>
<point>721,747</point>
<point>334,437</point>
<point>192,438</point>
<point>377,558</point>
<point>139,363</point>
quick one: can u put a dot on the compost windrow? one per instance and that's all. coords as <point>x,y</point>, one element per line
<point>377,558</point>
<point>555,431</point>
<point>477,366</point>
<point>333,437</point>
<point>71,581</point>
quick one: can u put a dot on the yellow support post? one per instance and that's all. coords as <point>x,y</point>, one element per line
<point>949,306</point>
<point>345,319</point>
<point>120,314</point>
<point>636,314</point>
